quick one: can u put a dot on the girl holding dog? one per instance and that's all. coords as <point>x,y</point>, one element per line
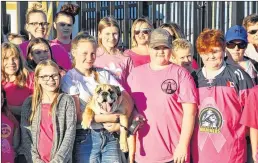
<point>94,144</point>
<point>48,119</point>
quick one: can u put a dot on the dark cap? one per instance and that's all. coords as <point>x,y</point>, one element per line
<point>160,37</point>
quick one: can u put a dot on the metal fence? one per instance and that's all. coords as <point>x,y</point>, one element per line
<point>192,17</point>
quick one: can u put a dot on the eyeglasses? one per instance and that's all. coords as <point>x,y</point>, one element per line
<point>252,32</point>
<point>47,77</point>
<point>232,45</point>
<point>144,31</point>
<point>36,24</point>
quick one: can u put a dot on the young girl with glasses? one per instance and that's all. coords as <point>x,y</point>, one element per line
<point>10,130</point>
<point>140,34</point>
<point>37,27</point>
<point>63,23</point>
<point>16,80</point>
<point>48,119</point>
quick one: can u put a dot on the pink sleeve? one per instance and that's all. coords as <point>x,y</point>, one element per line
<point>194,64</point>
<point>61,56</point>
<point>23,48</point>
<point>187,88</point>
<point>250,114</point>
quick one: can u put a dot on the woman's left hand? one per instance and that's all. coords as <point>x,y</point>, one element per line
<point>111,127</point>
<point>180,154</point>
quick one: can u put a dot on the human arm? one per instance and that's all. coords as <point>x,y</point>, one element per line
<point>65,150</point>
<point>189,112</point>
<point>254,142</point>
<point>16,139</point>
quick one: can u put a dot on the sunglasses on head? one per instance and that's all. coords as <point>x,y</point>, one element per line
<point>144,31</point>
<point>252,32</point>
<point>232,45</point>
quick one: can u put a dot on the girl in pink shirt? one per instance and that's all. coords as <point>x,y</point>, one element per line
<point>10,132</point>
<point>108,55</point>
<point>16,80</point>
<point>37,27</point>
<point>63,24</point>
<point>140,34</point>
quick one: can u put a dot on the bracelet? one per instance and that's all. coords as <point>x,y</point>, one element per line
<point>124,127</point>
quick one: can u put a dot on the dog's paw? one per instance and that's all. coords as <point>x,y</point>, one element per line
<point>123,146</point>
<point>87,118</point>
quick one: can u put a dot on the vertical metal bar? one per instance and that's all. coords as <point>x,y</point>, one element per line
<point>139,9</point>
<point>153,13</point>
<point>21,12</point>
<point>222,16</point>
<point>126,26</point>
<point>237,12</point>
<point>181,14</point>
<point>168,11</point>
<point>111,8</point>
<point>208,15</point>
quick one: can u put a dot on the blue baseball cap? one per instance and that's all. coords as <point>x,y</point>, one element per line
<point>236,32</point>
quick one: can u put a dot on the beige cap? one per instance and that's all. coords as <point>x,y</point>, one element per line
<point>160,37</point>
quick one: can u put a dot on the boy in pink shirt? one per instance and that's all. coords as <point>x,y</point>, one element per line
<point>165,94</point>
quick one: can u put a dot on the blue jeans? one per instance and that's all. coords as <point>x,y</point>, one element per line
<point>96,146</point>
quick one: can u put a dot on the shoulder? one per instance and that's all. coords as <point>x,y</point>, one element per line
<point>26,106</point>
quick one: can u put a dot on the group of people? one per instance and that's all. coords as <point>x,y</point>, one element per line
<point>187,113</point>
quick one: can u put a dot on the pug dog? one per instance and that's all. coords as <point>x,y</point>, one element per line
<point>107,99</point>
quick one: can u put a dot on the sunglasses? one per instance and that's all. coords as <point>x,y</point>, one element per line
<point>252,32</point>
<point>144,31</point>
<point>232,45</point>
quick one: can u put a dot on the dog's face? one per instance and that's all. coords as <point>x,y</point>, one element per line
<point>107,96</point>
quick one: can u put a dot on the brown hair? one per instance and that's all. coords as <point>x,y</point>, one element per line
<point>22,74</point>
<point>139,20</point>
<point>209,39</point>
<point>68,10</point>
<point>37,93</point>
<point>175,28</point>
<point>250,20</point>
<point>108,21</point>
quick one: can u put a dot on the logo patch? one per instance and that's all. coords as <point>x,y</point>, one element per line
<point>169,86</point>
<point>210,120</point>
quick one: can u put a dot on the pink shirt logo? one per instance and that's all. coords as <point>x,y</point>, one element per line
<point>169,86</point>
<point>6,130</point>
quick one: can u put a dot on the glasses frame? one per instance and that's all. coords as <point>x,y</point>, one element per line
<point>37,24</point>
<point>144,31</point>
<point>47,77</point>
<point>241,45</point>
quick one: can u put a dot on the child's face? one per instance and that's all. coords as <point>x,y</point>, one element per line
<point>160,55</point>
<point>85,55</point>
<point>40,52</point>
<point>10,63</point>
<point>252,34</point>
<point>64,25</point>
<point>109,36</point>
<point>183,57</point>
<point>49,79</point>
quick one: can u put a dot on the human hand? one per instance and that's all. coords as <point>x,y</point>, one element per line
<point>180,154</point>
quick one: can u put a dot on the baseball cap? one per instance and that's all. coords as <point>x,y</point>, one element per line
<point>160,37</point>
<point>236,32</point>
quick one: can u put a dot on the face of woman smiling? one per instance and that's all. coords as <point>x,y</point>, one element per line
<point>109,37</point>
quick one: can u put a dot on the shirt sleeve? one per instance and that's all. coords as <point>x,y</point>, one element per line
<point>61,57</point>
<point>187,88</point>
<point>69,86</point>
<point>250,114</point>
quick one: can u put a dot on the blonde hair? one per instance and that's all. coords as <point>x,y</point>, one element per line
<point>181,44</point>
<point>108,21</point>
<point>22,74</point>
<point>37,93</point>
<point>35,7</point>
<point>83,37</point>
<point>137,21</point>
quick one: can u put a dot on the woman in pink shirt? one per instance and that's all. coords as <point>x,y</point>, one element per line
<point>140,34</point>
<point>10,132</point>
<point>37,27</point>
<point>16,80</point>
<point>63,24</point>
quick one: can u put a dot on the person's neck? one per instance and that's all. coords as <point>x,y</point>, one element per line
<point>156,67</point>
<point>84,72</point>
<point>211,73</point>
<point>64,39</point>
<point>111,51</point>
<point>141,49</point>
<point>11,78</point>
<point>48,97</point>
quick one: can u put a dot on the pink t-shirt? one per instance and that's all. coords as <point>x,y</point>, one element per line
<point>60,55</point>
<point>158,96</point>
<point>66,46</point>
<point>46,133</point>
<point>250,114</point>
<point>15,95</point>
<point>118,65</point>
<point>136,58</point>
<point>195,65</point>
<point>7,132</point>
